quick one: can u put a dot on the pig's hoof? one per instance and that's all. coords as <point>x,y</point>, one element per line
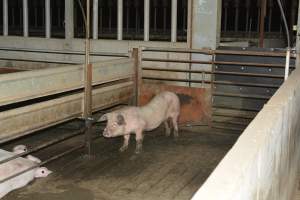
<point>123,148</point>
<point>138,151</point>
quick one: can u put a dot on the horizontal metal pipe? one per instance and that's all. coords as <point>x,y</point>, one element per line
<point>232,115</point>
<point>36,165</point>
<point>241,95</point>
<point>44,145</point>
<point>230,122</point>
<point>62,154</point>
<point>225,52</point>
<point>208,82</point>
<point>175,79</point>
<point>250,64</point>
<point>42,61</point>
<point>215,72</point>
<point>245,84</point>
<point>227,128</point>
<point>235,108</point>
<point>110,54</point>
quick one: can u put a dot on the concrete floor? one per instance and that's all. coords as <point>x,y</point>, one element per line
<point>166,169</point>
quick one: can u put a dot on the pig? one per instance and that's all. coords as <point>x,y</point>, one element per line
<point>163,108</point>
<point>18,149</point>
<point>17,166</point>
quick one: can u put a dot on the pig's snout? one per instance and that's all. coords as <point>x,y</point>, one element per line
<point>105,133</point>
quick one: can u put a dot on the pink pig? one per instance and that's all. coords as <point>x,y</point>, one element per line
<point>125,121</point>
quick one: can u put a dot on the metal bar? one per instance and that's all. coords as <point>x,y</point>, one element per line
<point>174,21</point>
<point>215,72</point>
<point>16,87</point>
<point>287,64</point>
<point>230,122</point>
<point>263,8</point>
<point>5,18</point>
<point>44,145</point>
<point>174,79</point>
<point>25,120</point>
<point>232,115</point>
<point>146,19</point>
<point>135,56</point>
<point>48,18</point>
<point>215,82</point>
<point>69,19</point>
<point>225,52</point>
<point>62,154</point>
<point>25,18</point>
<point>42,61</point>
<point>242,95</point>
<point>216,62</point>
<point>36,165</point>
<point>248,74</point>
<point>227,128</point>
<point>235,108</point>
<point>95,19</point>
<point>64,52</point>
<point>120,19</point>
<point>246,84</point>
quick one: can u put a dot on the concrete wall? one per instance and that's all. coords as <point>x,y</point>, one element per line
<point>263,163</point>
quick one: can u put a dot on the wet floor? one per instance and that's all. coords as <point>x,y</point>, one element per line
<point>167,169</point>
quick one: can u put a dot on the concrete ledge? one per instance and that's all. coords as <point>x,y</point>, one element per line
<point>263,163</point>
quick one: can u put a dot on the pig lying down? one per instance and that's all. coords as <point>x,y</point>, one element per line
<point>21,149</point>
<point>163,108</point>
<point>17,166</point>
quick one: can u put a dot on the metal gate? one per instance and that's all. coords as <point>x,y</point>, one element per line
<point>243,83</point>
<point>232,84</point>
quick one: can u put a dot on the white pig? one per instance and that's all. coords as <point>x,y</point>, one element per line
<point>163,108</point>
<point>21,149</point>
<point>16,166</point>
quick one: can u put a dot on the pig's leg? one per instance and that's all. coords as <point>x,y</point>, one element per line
<point>175,126</point>
<point>167,128</point>
<point>139,142</point>
<point>124,147</point>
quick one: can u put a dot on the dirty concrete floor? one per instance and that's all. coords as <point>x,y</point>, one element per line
<point>166,169</point>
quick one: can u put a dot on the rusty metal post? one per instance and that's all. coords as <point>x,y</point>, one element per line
<point>263,8</point>
<point>87,110</point>
<point>135,56</point>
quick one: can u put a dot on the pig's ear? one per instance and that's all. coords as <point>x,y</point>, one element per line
<point>102,118</point>
<point>120,119</point>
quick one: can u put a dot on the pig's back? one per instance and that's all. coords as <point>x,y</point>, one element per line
<point>160,108</point>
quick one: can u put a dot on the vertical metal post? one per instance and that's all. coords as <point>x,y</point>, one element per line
<point>146,19</point>
<point>155,15</point>
<point>174,21</point>
<point>248,4</point>
<point>270,5</point>
<point>48,19</point>
<point>5,18</point>
<point>189,34</point>
<point>69,19</point>
<point>165,4</point>
<point>95,19</point>
<point>236,20</point>
<point>120,19</point>
<point>87,112</point>
<point>25,18</point>
<point>137,81</point>
<point>262,22</point>
<point>225,15</point>
<point>127,16</point>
